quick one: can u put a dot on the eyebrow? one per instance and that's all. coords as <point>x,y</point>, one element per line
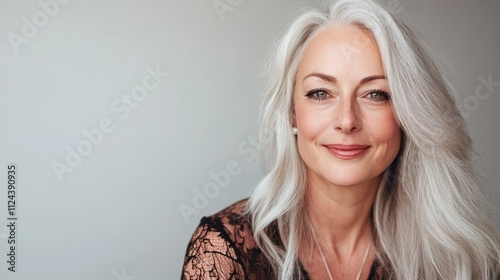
<point>332,79</point>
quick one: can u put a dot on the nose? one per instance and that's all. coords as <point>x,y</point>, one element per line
<point>346,116</point>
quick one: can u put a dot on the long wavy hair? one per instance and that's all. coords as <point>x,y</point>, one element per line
<point>430,216</point>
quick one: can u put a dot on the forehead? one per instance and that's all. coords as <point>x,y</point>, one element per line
<point>339,48</point>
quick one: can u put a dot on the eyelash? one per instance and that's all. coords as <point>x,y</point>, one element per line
<point>312,94</point>
<point>385,94</point>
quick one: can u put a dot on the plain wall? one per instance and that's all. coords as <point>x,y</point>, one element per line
<point>116,211</point>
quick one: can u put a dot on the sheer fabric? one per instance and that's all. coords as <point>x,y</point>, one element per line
<point>222,247</point>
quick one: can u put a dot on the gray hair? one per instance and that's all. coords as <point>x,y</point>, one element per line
<point>430,215</point>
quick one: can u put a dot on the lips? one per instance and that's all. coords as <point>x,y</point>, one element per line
<point>347,151</point>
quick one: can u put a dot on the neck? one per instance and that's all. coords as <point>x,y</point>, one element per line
<point>341,216</point>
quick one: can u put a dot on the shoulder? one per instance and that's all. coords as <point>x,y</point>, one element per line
<point>231,224</point>
<point>231,219</point>
<point>223,246</point>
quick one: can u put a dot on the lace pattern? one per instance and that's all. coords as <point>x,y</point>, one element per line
<point>222,247</point>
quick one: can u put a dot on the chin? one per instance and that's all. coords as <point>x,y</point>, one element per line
<point>345,182</point>
<point>348,178</point>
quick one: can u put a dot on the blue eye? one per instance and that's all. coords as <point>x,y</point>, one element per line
<point>317,94</point>
<point>378,95</point>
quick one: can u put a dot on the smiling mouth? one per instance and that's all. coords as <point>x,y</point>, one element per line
<point>347,151</point>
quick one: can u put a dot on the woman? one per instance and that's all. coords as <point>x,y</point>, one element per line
<point>369,170</point>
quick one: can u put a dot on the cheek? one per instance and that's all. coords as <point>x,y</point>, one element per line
<point>311,123</point>
<point>384,129</point>
<point>309,127</point>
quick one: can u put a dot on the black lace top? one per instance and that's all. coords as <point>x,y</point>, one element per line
<point>222,247</point>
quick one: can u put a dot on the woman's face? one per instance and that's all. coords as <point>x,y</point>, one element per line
<point>347,132</point>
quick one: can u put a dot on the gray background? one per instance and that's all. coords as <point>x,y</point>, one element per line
<point>117,214</point>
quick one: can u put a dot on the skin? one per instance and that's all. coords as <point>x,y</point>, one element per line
<point>339,99</point>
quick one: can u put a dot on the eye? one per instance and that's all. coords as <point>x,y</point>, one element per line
<point>378,95</point>
<point>317,94</point>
